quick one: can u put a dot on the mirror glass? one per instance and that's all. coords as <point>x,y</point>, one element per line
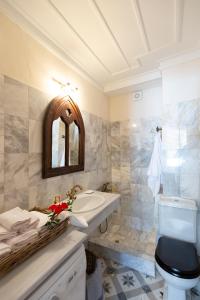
<point>73,144</point>
<point>58,143</point>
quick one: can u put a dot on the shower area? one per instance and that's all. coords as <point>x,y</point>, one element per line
<point>130,236</point>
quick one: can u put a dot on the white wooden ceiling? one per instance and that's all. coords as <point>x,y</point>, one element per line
<point>111,40</point>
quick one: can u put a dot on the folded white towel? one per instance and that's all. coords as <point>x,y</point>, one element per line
<point>64,214</point>
<point>5,234</point>
<point>34,221</point>
<point>78,221</point>
<point>43,218</point>
<point>14,220</point>
<point>4,249</point>
<point>22,239</point>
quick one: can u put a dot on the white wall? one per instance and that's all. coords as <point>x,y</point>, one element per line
<point>24,59</point>
<point>123,107</point>
<point>181,82</point>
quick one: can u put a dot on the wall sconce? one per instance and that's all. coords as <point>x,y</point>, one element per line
<point>59,88</point>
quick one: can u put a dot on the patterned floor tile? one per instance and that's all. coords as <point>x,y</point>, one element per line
<point>128,281</point>
<point>109,287</point>
<point>123,283</point>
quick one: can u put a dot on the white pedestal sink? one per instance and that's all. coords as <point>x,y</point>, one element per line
<point>85,203</point>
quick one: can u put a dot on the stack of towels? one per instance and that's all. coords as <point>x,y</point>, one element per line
<point>19,227</point>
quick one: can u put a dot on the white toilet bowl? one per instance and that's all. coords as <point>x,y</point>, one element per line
<point>176,287</point>
<point>177,262</point>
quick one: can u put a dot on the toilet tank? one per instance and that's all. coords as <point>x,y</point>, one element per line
<point>177,218</point>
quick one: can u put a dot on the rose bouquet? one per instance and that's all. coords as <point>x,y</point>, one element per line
<point>58,207</point>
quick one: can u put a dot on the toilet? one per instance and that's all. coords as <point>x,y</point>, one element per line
<point>176,255</point>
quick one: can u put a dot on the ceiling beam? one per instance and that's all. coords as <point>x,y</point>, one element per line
<point>178,19</point>
<point>132,81</point>
<point>78,35</point>
<point>140,22</point>
<point>109,30</point>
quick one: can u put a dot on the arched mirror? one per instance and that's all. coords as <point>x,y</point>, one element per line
<point>63,138</point>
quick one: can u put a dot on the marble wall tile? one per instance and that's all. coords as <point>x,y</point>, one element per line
<point>188,140</point>
<point>68,181</point>
<point>125,128</point>
<point>15,97</point>
<point>124,149</point>
<point>93,180</point>
<point>1,188</point>
<point>90,159</point>
<point>35,136</point>
<point>125,189</point>
<point>189,114</point>
<point>1,93</point>
<point>139,175</point>
<point>37,196</point>
<point>1,143</point>
<point>1,203</point>
<point>1,132</point>
<point>144,214</point>
<point>1,124</point>
<point>1,173</point>
<point>190,186</point>
<point>115,143</point>
<point>35,168</point>
<point>141,193</point>
<point>16,172</point>
<point>16,134</point>
<point>125,173</point>
<point>171,184</point>
<point>115,129</point>
<point>82,178</point>
<point>191,160</point>
<point>115,158</point>
<point>23,184</point>
<point>13,198</point>
<point>140,158</point>
<point>53,187</point>
<point>116,176</point>
<point>38,102</point>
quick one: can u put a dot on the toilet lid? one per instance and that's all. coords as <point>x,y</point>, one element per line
<point>178,258</point>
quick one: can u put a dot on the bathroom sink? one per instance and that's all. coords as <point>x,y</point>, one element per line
<point>86,203</point>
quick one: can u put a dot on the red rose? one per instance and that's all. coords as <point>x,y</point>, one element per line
<point>58,208</point>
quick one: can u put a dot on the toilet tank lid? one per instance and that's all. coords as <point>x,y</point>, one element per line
<point>178,202</point>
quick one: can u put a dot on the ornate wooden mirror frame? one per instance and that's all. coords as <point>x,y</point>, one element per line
<point>69,112</point>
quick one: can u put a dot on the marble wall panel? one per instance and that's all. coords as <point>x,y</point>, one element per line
<point>35,168</point>
<point>22,110</point>
<point>1,133</point>
<point>1,174</point>
<point>13,198</point>
<point>171,184</point>
<point>16,171</point>
<point>1,93</point>
<point>35,137</point>
<point>115,129</point>
<point>130,173</point>
<point>16,134</point>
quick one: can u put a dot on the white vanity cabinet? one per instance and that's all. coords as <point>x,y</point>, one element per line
<point>68,282</point>
<point>56,272</point>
